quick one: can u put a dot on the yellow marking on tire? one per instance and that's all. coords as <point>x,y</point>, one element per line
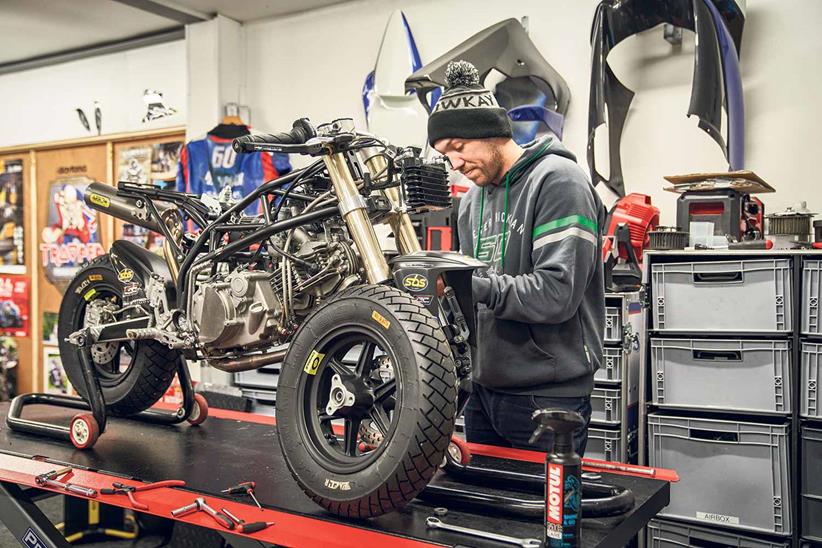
<point>380,319</point>
<point>89,294</point>
<point>95,278</point>
<point>312,364</point>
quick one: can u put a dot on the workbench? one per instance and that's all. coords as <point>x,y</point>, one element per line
<point>231,447</point>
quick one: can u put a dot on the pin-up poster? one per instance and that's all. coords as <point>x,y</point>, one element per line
<point>71,237</point>
<point>14,306</point>
<point>12,237</point>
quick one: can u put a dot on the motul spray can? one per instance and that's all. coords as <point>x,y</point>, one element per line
<point>563,497</point>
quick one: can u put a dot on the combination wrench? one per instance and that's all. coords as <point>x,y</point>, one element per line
<point>436,523</point>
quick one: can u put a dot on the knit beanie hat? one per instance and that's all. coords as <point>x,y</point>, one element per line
<point>466,110</point>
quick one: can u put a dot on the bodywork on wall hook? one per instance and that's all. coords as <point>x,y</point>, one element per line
<point>717,83</point>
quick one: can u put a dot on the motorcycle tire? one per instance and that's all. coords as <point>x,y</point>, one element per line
<point>151,366</point>
<point>353,478</point>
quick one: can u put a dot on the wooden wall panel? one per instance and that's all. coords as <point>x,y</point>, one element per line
<point>51,165</point>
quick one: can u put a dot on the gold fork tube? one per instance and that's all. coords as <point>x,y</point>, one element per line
<point>353,209</point>
<point>400,222</point>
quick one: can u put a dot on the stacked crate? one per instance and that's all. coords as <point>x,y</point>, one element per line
<point>259,384</point>
<point>811,406</point>
<point>719,377</point>
<point>612,434</point>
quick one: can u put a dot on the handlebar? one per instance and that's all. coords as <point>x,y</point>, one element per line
<point>301,131</point>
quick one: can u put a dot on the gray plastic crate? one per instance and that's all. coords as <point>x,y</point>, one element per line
<point>665,534</point>
<point>811,289</point>
<point>611,370</point>
<point>811,369</point>
<point>613,325</point>
<point>606,405</point>
<point>750,296</point>
<point>264,377</point>
<point>811,483</point>
<point>606,444</point>
<point>732,375</point>
<point>732,474</point>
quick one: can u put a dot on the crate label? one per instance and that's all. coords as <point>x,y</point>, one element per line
<point>718,518</point>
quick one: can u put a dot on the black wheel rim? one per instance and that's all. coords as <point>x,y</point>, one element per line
<point>118,368</point>
<point>368,366</point>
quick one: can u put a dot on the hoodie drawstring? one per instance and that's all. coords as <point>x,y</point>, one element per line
<point>508,176</point>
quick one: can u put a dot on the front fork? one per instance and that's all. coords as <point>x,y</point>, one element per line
<point>354,212</point>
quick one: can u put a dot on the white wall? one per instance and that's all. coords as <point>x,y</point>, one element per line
<point>313,64</point>
<point>39,105</point>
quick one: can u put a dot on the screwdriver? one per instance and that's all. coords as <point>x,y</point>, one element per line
<point>246,487</point>
<point>247,528</point>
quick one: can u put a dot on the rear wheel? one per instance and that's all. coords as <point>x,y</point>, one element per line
<point>133,374</point>
<point>366,401</point>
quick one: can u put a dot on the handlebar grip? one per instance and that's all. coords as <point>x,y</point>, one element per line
<point>301,131</point>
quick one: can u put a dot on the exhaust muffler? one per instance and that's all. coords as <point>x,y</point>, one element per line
<point>104,198</point>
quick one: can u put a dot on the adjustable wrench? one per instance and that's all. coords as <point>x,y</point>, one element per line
<point>436,523</point>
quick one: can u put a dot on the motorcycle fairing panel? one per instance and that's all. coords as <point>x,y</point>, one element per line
<point>531,80</point>
<point>390,111</point>
<point>717,82</point>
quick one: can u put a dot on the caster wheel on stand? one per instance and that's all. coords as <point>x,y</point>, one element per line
<point>83,431</point>
<point>200,411</point>
<point>458,452</point>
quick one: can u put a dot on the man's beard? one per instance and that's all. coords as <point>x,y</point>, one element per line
<point>495,166</point>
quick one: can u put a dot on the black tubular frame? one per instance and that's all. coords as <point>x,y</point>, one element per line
<point>258,232</point>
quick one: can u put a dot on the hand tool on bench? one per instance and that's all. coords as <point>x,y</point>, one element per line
<point>247,528</point>
<point>49,479</point>
<point>118,488</point>
<point>199,505</point>
<point>436,523</point>
<point>244,488</point>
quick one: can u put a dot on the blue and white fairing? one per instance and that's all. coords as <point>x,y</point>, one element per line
<point>392,113</point>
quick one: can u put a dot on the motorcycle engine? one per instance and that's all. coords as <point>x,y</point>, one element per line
<point>236,310</point>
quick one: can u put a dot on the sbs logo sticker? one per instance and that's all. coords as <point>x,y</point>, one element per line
<point>125,275</point>
<point>415,282</point>
<point>312,364</point>
<point>99,200</point>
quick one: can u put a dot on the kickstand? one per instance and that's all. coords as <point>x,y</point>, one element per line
<point>85,428</point>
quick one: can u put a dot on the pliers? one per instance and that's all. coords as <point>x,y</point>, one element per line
<point>122,489</point>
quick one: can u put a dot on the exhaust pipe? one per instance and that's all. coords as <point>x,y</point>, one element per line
<point>247,363</point>
<point>104,198</point>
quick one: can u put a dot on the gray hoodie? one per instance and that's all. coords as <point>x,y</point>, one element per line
<point>541,304</point>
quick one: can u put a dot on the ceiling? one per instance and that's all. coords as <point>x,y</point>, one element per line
<point>41,30</point>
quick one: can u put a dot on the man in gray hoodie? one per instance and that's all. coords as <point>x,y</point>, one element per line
<point>534,218</point>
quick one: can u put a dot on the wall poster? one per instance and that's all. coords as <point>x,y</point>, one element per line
<point>12,232</point>
<point>71,236</point>
<point>56,381</point>
<point>14,306</point>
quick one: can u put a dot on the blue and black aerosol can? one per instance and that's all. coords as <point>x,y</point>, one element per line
<point>563,481</point>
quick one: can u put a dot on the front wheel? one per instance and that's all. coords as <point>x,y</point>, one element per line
<point>366,401</point>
